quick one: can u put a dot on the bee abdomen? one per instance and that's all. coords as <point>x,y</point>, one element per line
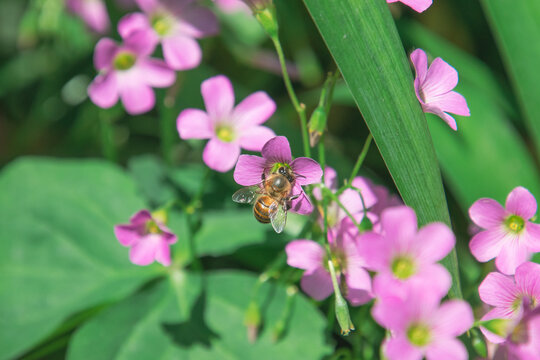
<point>261,210</point>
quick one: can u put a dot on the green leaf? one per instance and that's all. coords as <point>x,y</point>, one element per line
<point>363,40</point>
<point>58,253</point>
<point>154,324</point>
<point>516,27</point>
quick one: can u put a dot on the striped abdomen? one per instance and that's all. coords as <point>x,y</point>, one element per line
<point>261,209</point>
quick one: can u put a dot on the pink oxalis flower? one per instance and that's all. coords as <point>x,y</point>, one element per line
<point>421,327</point>
<point>229,128</point>
<point>523,342</point>
<point>509,236</point>
<point>316,281</point>
<point>416,5</point>
<point>175,24</point>
<point>404,256</point>
<point>434,86</point>
<point>92,12</point>
<point>510,294</point>
<point>126,71</point>
<point>275,154</point>
<point>148,238</point>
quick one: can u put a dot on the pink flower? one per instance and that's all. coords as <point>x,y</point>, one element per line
<point>420,327</point>
<point>148,238</point>
<point>317,282</point>
<point>523,343</point>
<point>350,198</point>
<point>229,128</point>
<point>508,294</point>
<point>127,72</point>
<point>175,24</point>
<point>232,6</point>
<point>276,153</point>
<point>509,236</point>
<point>416,5</point>
<point>404,256</point>
<point>433,88</point>
<point>93,13</point>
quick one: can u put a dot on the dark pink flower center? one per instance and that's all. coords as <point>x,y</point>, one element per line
<point>124,60</point>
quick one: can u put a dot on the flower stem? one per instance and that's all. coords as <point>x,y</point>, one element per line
<point>360,159</point>
<point>107,138</point>
<point>300,108</point>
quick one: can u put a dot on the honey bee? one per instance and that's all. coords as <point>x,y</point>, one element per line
<point>270,198</point>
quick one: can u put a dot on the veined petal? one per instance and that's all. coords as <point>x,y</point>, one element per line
<point>221,156</point>
<point>498,290</point>
<point>496,313</point>
<point>531,237</point>
<point>420,63</point>
<point>249,170</point>
<point>487,213</point>
<point>301,205</point>
<point>104,53</point>
<point>446,349</point>
<point>308,171</point>
<point>253,110</point>
<point>440,79</point>
<point>182,53</point>
<point>305,254</point>
<point>218,95</point>
<point>528,279</point>
<point>194,124</point>
<point>452,102</point>
<point>448,119</point>
<point>254,138</point>
<point>156,73</point>
<point>452,319</point>
<point>433,242</point>
<point>103,91</point>
<point>400,225</point>
<point>277,150</point>
<point>487,244</point>
<point>521,202</point>
<point>137,97</point>
<point>513,253</point>
<point>317,283</point>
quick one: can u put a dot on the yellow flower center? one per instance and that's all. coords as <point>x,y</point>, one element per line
<point>515,223</point>
<point>124,60</point>
<point>403,267</point>
<point>161,24</point>
<point>152,227</point>
<point>419,335</point>
<point>225,133</point>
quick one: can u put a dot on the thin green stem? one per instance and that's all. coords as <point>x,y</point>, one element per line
<point>300,108</point>
<point>360,159</point>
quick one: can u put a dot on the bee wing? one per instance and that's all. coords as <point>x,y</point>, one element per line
<point>278,217</point>
<point>246,195</point>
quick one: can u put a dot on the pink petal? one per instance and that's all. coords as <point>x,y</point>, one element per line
<point>221,156</point>
<point>449,120</point>
<point>277,150</point>
<point>254,138</point>
<point>366,190</point>
<point>487,244</point>
<point>433,242</point>
<point>137,97</point>
<point>400,225</point>
<point>104,53</point>
<point>439,279</point>
<point>375,249</point>
<point>156,73</point>
<point>148,6</point>
<point>420,63</point>
<point>528,279</point>
<point>521,202</point>
<point>163,253</point>
<point>446,349</point>
<point>103,91</point>
<point>305,254</point>
<point>498,290</point>
<point>496,313</point>
<point>94,13</point>
<point>140,217</point>
<point>399,348</point>
<point>330,178</point>
<point>127,235</point>
<point>197,21</point>
<point>513,254</point>
<point>182,52</point>
<point>254,110</point>
<point>308,171</point>
<point>144,252</point>
<point>194,124</point>
<point>133,22</point>
<point>218,95</point>
<point>487,213</point>
<point>301,205</point>
<point>531,237</point>
<point>358,285</point>
<point>452,102</point>
<point>351,201</point>
<point>440,79</point>
<point>317,284</point>
<point>249,170</point>
<point>452,319</point>
<point>142,42</point>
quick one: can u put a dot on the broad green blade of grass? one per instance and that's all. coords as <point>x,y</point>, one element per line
<point>362,38</point>
<point>516,26</point>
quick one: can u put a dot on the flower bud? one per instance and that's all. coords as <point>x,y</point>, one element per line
<point>252,320</point>
<point>265,13</point>
<point>499,327</point>
<point>478,343</point>
<point>316,125</point>
<point>342,310</point>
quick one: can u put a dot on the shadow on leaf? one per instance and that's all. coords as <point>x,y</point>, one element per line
<point>194,330</point>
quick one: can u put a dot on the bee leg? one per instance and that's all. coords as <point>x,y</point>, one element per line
<point>263,176</point>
